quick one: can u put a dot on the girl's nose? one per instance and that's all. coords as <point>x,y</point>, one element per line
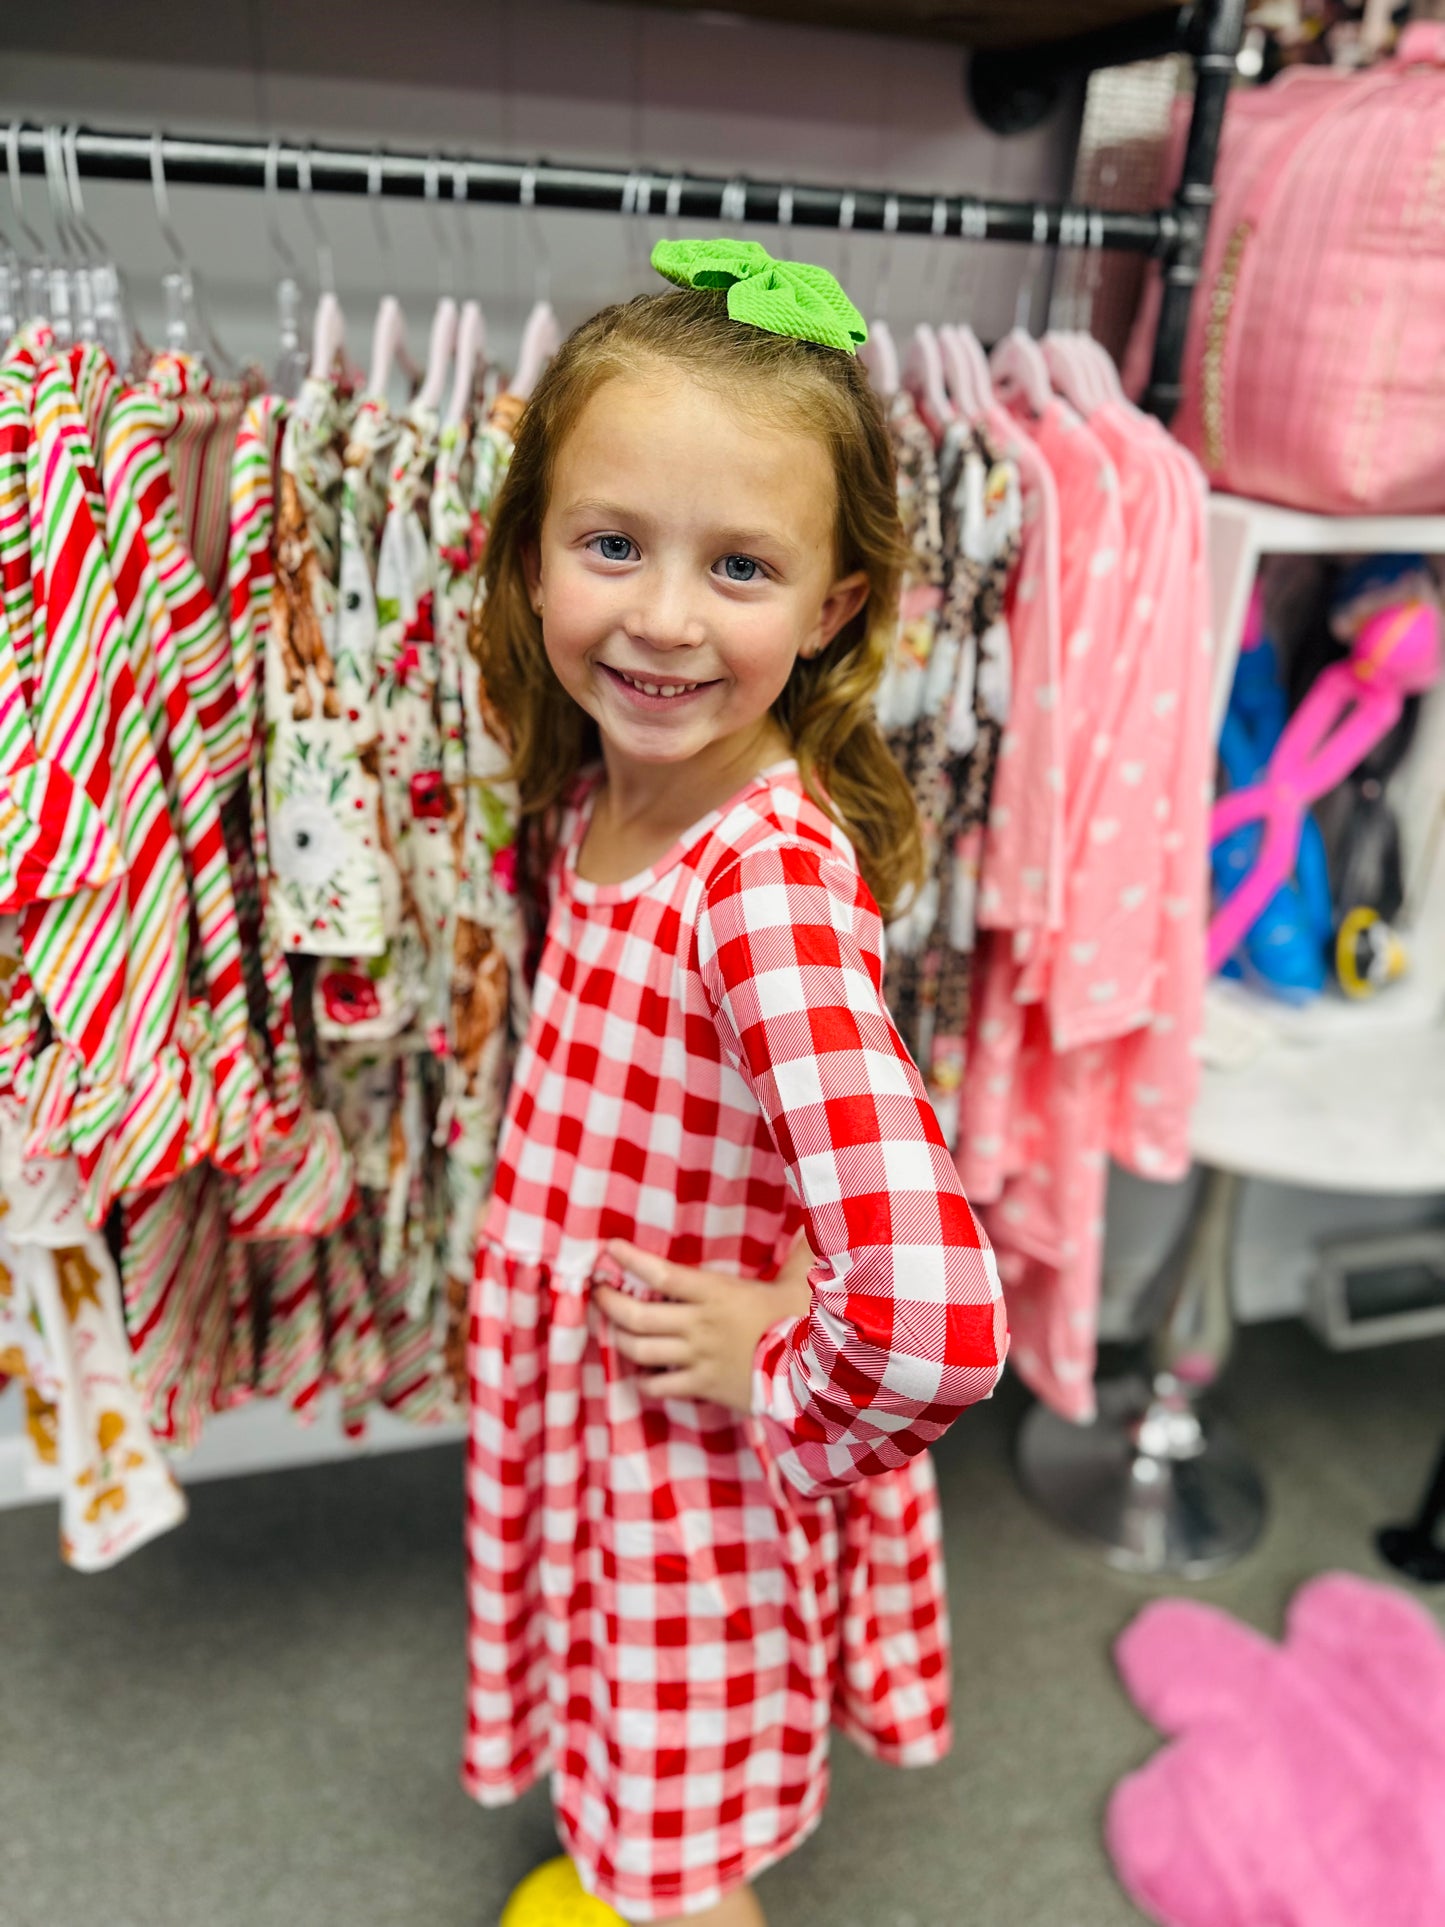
<point>665,614</point>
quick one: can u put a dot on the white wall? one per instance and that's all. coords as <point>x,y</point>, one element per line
<point>561,79</point>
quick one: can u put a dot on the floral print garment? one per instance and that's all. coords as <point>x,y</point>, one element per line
<point>490,1007</point>
<point>87,1423</point>
<point>321,813</point>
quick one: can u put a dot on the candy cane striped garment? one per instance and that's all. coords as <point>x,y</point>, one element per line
<point>117,1086</point>
<point>21,1018</point>
<point>184,419</point>
<point>133,452</point>
<point>668,1602</point>
<point>53,840</point>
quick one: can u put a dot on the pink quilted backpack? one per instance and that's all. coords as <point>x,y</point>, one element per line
<point>1314,372</point>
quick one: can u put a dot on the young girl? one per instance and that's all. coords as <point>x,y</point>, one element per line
<point>728,1289</point>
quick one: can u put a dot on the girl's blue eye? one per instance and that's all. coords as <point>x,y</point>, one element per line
<point>615,548</point>
<point>742,568</point>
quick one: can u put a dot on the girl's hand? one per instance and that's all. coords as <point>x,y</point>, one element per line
<point>700,1342</point>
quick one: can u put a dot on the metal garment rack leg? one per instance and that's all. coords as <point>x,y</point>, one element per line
<point>1157,1484</point>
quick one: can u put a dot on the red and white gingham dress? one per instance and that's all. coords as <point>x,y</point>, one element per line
<point>670,1603</point>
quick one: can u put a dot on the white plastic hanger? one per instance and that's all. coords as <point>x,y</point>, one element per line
<point>471,348</point>
<point>328,337</point>
<point>471,354</point>
<point>1070,354</point>
<point>388,334</point>
<point>328,334</point>
<point>291,364</point>
<point>439,354</point>
<point>923,375</point>
<point>35,272</point>
<point>879,355</point>
<point>1018,367</point>
<point>965,369</point>
<point>541,339</point>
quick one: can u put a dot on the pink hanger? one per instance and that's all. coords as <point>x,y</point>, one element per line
<point>540,340</point>
<point>1097,357</point>
<point>471,353</point>
<point>1018,368</point>
<point>960,374</point>
<point>328,338</point>
<point>439,355</point>
<point>1350,707</point>
<point>923,378</point>
<point>387,336</point>
<point>879,355</point>
<point>1071,373</point>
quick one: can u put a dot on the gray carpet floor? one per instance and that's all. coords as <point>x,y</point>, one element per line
<point>255,1722</point>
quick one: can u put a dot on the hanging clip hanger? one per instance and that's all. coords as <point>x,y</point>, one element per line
<point>472,328</point>
<point>186,321</point>
<point>923,378</point>
<point>847,208</point>
<point>111,318</point>
<point>328,333</point>
<point>785,215</point>
<point>879,353</point>
<point>673,204</point>
<point>1017,362</point>
<point>388,334</point>
<point>35,272</point>
<point>971,366</point>
<point>1070,373</point>
<point>444,322</point>
<point>541,336</point>
<point>1018,368</point>
<point>290,369</point>
<point>71,307</point>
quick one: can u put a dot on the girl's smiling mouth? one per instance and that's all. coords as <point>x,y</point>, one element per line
<point>652,692</point>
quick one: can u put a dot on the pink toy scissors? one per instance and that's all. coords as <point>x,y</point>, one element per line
<point>1350,707</point>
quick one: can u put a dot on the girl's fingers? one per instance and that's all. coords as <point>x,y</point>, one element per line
<point>660,1274</point>
<point>636,1315</point>
<point>652,1352</point>
<point>683,1384</point>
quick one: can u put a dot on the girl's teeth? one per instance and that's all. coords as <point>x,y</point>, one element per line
<point>660,688</point>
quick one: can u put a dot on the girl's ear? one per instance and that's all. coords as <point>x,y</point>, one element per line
<point>842,602</point>
<point>532,569</point>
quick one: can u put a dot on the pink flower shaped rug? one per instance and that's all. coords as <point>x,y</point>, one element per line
<point>1304,1782</point>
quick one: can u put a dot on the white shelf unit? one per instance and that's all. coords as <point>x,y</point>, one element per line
<point>1337,1096</point>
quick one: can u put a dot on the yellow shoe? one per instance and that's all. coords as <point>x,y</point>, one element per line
<point>553,1897</point>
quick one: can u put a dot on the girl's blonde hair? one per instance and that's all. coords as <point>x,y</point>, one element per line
<point>826,710</point>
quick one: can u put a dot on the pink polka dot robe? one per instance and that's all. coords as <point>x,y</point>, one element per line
<point>1084,1034</point>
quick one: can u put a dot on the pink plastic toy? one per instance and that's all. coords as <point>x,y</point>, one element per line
<point>1351,706</point>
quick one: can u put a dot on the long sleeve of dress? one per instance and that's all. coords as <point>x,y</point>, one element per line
<point>906,1326</point>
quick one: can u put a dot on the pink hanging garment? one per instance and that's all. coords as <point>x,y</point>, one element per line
<point>1304,1783</point>
<point>1021,878</point>
<point>1102,969</point>
<point>1054,1114</point>
<point>1158,1065</point>
<point>1091,574</point>
<point>1022,881</point>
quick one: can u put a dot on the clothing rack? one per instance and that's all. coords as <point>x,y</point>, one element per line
<point>1173,235</point>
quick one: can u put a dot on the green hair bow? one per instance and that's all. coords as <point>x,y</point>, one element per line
<point>785,297</point>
